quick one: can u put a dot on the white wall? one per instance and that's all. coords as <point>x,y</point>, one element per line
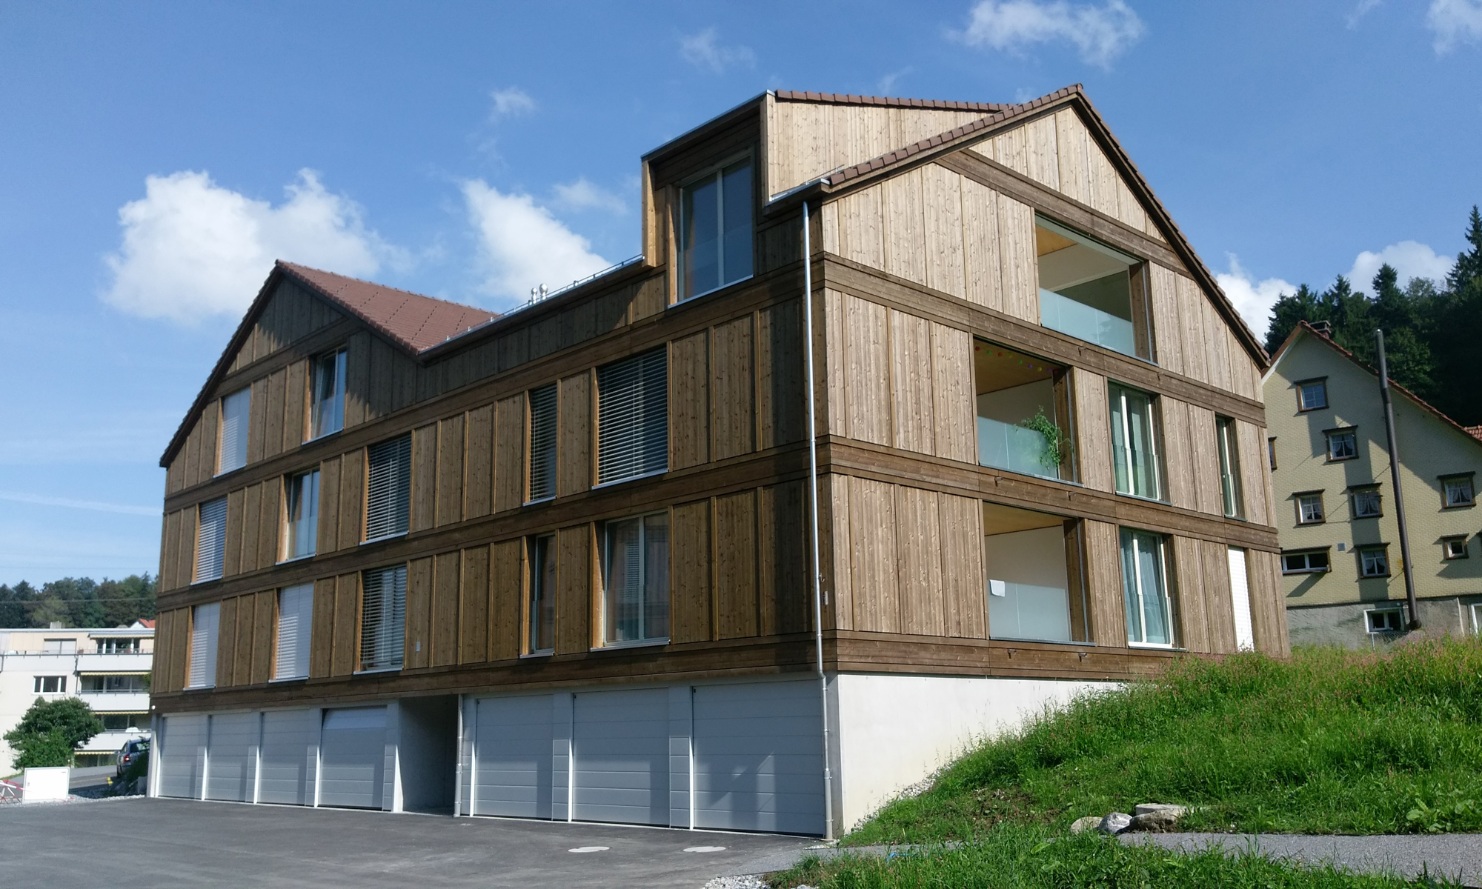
<point>1035,558</point>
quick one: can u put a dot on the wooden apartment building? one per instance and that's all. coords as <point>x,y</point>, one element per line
<point>557,563</point>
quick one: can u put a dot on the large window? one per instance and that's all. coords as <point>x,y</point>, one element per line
<point>633,417</point>
<point>210,539</point>
<point>1230,494</point>
<point>1145,586</point>
<point>1091,291</point>
<point>203,624</point>
<point>116,685</point>
<point>295,619</point>
<point>383,618</point>
<point>715,230</point>
<point>1033,572</point>
<point>1023,412</point>
<point>51,685</point>
<point>118,646</point>
<point>388,488</point>
<point>542,605</point>
<point>1314,561</point>
<point>543,403</point>
<point>635,579</point>
<point>1135,443</point>
<point>301,534</point>
<point>327,395</point>
<point>231,451</point>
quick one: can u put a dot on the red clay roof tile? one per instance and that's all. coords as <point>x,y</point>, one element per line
<point>416,322</point>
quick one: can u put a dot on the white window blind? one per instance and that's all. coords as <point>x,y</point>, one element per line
<point>1245,634</point>
<point>327,408</point>
<point>383,614</point>
<point>232,453</point>
<point>388,488</point>
<point>203,624</point>
<point>210,539</point>
<point>295,618</point>
<point>543,442</point>
<point>633,417</point>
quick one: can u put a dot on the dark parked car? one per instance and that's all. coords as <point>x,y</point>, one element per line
<point>129,752</point>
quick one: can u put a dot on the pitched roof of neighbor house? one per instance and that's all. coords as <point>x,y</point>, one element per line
<point>413,321</point>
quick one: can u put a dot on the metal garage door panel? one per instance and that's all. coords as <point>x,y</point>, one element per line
<point>621,747</point>
<point>181,752</point>
<point>231,769</point>
<point>352,758</point>
<point>287,736</point>
<point>512,753</point>
<point>758,757</point>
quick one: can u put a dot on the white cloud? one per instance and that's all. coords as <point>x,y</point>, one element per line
<point>1361,9</point>
<point>1410,259</point>
<point>585,195</point>
<point>886,86</point>
<point>523,245</point>
<point>68,503</point>
<point>1100,33</point>
<point>511,101</point>
<point>192,249</point>
<point>702,51</point>
<point>1454,22</point>
<point>1253,299</point>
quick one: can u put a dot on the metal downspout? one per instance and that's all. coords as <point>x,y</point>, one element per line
<point>1394,476</point>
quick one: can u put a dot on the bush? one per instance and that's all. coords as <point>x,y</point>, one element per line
<point>51,731</point>
<point>43,751</point>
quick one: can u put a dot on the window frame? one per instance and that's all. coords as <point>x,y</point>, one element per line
<point>1370,622</point>
<point>539,602</point>
<point>1306,555</point>
<point>1271,452</point>
<point>643,638</point>
<point>292,495</point>
<point>1139,300</point>
<point>218,560</point>
<point>1448,480</point>
<point>1450,553</point>
<point>1363,553</point>
<point>1330,435</point>
<point>715,172</point>
<point>1227,443</point>
<point>316,365</point>
<point>1301,385</point>
<point>203,632</point>
<point>371,657</point>
<point>1170,613</point>
<point>1361,490</point>
<point>534,399</point>
<point>237,426</point>
<point>1302,499</point>
<point>302,628</point>
<point>1117,395</point>
<point>41,682</point>
<point>652,408</point>
<point>399,488</point>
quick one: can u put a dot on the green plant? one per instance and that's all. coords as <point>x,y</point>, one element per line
<point>1057,443</point>
<point>46,750</point>
<point>1442,816</point>
<point>51,730</point>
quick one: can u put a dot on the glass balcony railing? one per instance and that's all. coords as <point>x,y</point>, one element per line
<point>1009,446</point>
<point>1030,612</point>
<point>1086,322</point>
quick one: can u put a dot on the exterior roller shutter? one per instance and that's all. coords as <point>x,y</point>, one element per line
<point>383,611</point>
<point>295,614</point>
<point>388,488</point>
<point>633,417</point>
<point>543,442</point>
<point>1245,636</point>
<point>203,623</point>
<point>233,449</point>
<point>210,539</point>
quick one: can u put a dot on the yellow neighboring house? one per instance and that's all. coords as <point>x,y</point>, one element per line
<point>1341,558</point>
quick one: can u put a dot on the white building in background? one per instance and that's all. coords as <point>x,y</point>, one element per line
<point>107,668</point>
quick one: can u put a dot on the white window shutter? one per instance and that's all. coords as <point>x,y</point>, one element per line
<point>210,539</point>
<point>203,628</point>
<point>543,442</point>
<point>1245,636</point>
<point>633,417</point>
<point>383,618</point>
<point>388,488</point>
<point>295,618</point>
<point>235,409</point>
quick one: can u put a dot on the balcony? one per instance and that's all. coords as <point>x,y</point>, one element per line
<point>1022,412</point>
<point>116,701</point>
<point>1085,321</point>
<point>1090,291</point>
<point>1011,446</point>
<point>1033,565</point>
<point>109,742</point>
<point>114,663</point>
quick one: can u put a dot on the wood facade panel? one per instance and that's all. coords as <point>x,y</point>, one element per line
<point>954,410</point>
<point>446,574</point>
<point>1218,607</point>
<point>942,213</point>
<point>837,545</point>
<point>1204,461</point>
<point>1186,564</point>
<point>327,535</point>
<point>274,408</point>
<point>352,496</point>
<point>357,378</point>
<point>1042,161</point>
<point>689,401</point>
<point>691,560</point>
<point>478,493</point>
<point>1178,451</point>
<point>867,370</point>
<point>423,513</point>
<point>270,523</point>
<point>231,557</point>
<point>227,631</point>
<point>785,590</point>
<point>1255,473</point>
<point>735,542</point>
<point>1190,315</point>
<point>450,468</point>
<point>321,630</point>
<point>964,612</point>
<point>919,561</point>
<point>257,420</point>
<point>861,235</point>
<point>834,347</point>
<point>913,425</point>
<point>904,222</point>
<point>1167,326</point>
<point>511,441</point>
<point>345,658</point>
<point>577,428</point>
<point>507,597</point>
<point>419,633</point>
<point>574,596</point>
<point>1104,583</point>
<point>1092,429</point>
<point>875,571</point>
<point>251,527</point>
<point>1268,609</point>
<point>265,610</point>
<point>732,385</point>
<point>981,255</point>
<point>295,404</point>
<point>1072,149</point>
<point>781,375</point>
<point>1019,264</point>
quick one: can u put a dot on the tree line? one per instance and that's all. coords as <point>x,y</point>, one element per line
<point>1432,329</point>
<point>78,602</point>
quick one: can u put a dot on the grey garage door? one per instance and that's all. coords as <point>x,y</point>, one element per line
<point>758,761</point>
<point>182,751</point>
<point>231,770</point>
<point>512,757</point>
<point>352,758</point>
<point>620,743</point>
<point>288,738</point>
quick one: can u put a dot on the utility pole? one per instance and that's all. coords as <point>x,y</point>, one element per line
<point>1394,475</point>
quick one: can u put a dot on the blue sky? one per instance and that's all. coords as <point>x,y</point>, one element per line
<point>155,158</point>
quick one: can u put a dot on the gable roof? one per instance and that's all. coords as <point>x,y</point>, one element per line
<point>887,102</point>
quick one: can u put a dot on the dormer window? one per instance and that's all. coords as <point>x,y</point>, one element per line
<point>715,230</point>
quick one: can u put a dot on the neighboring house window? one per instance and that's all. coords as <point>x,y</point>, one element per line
<point>388,488</point>
<point>327,395</point>
<point>715,230</point>
<point>58,646</point>
<point>231,452</point>
<point>1342,444</point>
<point>383,618</point>
<point>633,417</point>
<point>51,685</point>
<point>1373,561</point>
<point>301,538</point>
<point>295,619</point>
<point>1306,562</point>
<point>210,539</point>
<point>1477,618</point>
<point>1458,491</point>
<point>1091,291</point>
<point>1230,494</point>
<point>118,646</point>
<point>542,443</point>
<point>1271,452</point>
<point>119,685</point>
<point>542,616</point>
<point>1309,508</point>
<point>1134,442</point>
<point>1453,548</point>
<point>1384,620</point>
<point>117,722</point>
<point>635,579</point>
<point>1145,588</point>
<point>1312,395</point>
<point>1365,502</point>
<point>203,624</point>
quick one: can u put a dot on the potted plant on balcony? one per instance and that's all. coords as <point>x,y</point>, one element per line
<point>1057,443</point>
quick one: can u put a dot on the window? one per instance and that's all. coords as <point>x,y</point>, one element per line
<point>635,580</point>
<point>1373,561</point>
<point>1384,620</point>
<point>1229,449</point>
<point>203,623</point>
<point>1271,452</point>
<point>120,722</point>
<point>383,618</point>
<point>117,685</point>
<point>1312,395</point>
<point>1458,491</point>
<point>118,646</point>
<point>295,618</point>
<point>1134,443</point>
<point>1309,508</point>
<point>327,395</point>
<point>1023,407</point>
<point>1477,618</point>
<point>301,537</point>
<point>715,230</point>
<point>1342,444</point>
<point>51,685</point>
<point>633,417</point>
<point>1307,562</point>
<point>543,443</point>
<point>210,539</point>
<point>1091,291</point>
<point>1453,548</point>
<point>231,452</point>
<point>542,616</point>
<point>388,488</point>
<point>58,646</point>
<point>1365,502</point>
<point>1145,587</point>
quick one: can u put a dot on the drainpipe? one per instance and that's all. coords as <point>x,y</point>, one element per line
<point>828,777</point>
<point>1394,477</point>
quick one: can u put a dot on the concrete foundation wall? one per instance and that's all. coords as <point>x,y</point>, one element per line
<point>1346,626</point>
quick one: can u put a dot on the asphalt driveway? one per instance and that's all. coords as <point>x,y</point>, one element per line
<point>156,842</point>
